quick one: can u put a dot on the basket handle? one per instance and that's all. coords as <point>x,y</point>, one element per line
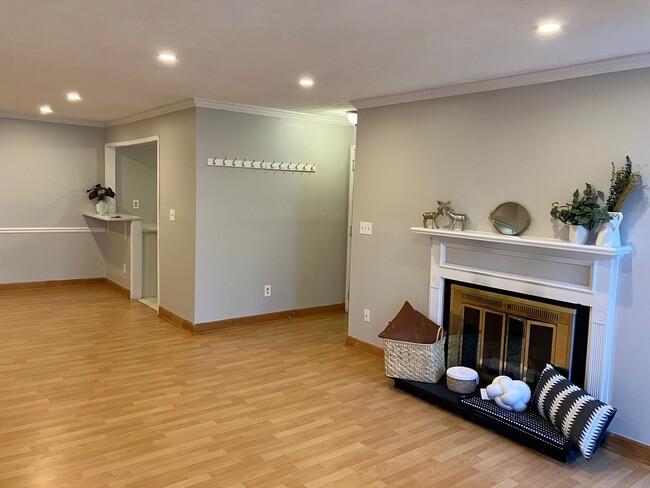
<point>439,334</point>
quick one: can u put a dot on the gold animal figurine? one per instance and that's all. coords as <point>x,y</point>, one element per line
<point>443,209</point>
<point>457,218</point>
<point>426,216</point>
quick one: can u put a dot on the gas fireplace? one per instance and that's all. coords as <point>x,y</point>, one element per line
<point>501,333</point>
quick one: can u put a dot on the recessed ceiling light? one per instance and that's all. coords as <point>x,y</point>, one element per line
<point>548,28</point>
<point>73,97</point>
<point>306,82</point>
<point>46,109</point>
<point>167,57</point>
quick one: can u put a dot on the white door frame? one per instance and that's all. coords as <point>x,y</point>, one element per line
<point>135,276</point>
<point>353,151</point>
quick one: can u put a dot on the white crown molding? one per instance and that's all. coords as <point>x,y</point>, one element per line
<point>623,63</point>
<point>270,112</point>
<point>51,119</point>
<point>231,107</point>
<point>165,109</point>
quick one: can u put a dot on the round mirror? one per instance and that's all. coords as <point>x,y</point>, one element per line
<point>510,218</point>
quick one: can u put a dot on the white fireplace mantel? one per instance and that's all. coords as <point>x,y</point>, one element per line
<point>548,268</point>
<point>523,242</point>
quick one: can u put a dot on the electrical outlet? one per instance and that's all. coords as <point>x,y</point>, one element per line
<point>136,203</point>
<point>366,315</point>
<point>366,228</point>
<point>172,214</point>
<point>267,290</point>
<point>124,269</point>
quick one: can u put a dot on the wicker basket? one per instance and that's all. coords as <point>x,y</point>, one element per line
<point>461,379</point>
<point>417,362</point>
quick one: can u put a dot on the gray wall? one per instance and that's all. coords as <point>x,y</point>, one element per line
<point>45,171</point>
<point>178,191</point>
<point>533,145</point>
<point>136,179</point>
<point>262,227</point>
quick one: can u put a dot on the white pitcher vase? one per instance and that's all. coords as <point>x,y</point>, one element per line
<point>609,234</point>
<point>578,234</point>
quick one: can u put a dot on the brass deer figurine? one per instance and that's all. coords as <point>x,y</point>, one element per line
<point>457,218</point>
<point>444,209</point>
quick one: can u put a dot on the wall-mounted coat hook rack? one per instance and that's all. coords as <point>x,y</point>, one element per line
<point>265,165</point>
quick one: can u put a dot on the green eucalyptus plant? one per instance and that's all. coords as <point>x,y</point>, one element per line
<point>583,210</point>
<point>624,181</point>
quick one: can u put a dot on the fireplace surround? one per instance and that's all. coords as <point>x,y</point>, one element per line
<point>490,292</point>
<point>550,269</point>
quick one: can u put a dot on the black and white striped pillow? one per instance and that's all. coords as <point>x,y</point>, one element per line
<point>578,415</point>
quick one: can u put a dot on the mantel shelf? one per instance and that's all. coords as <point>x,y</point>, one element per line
<point>474,237</point>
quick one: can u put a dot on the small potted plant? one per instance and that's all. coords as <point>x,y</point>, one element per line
<point>99,194</point>
<point>623,182</point>
<point>582,213</point>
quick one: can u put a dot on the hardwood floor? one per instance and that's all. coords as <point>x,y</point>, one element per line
<point>96,390</point>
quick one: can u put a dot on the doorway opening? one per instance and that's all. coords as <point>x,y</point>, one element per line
<point>132,170</point>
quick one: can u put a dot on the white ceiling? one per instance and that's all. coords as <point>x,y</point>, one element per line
<point>254,51</point>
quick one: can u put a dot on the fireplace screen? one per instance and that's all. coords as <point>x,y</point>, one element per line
<point>499,334</point>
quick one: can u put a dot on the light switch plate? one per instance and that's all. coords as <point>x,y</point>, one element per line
<point>172,214</point>
<point>365,228</point>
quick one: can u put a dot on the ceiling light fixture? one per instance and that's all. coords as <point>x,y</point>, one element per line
<point>306,82</point>
<point>352,117</point>
<point>73,97</point>
<point>46,109</point>
<point>167,57</point>
<point>548,28</point>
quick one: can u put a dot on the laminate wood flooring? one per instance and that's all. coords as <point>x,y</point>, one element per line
<point>97,391</point>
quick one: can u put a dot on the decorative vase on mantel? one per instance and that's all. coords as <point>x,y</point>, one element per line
<point>609,234</point>
<point>578,234</point>
<point>101,207</point>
